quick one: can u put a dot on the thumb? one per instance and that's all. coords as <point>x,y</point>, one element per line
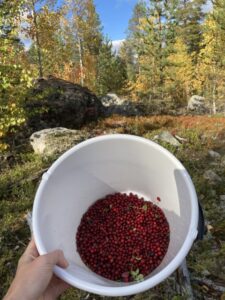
<point>55,258</point>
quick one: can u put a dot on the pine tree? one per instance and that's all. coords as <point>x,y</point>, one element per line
<point>128,51</point>
<point>219,15</point>
<point>211,64</point>
<point>154,42</point>
<point>189,17</point>
<point>179,73</point>
<point>111,70</point>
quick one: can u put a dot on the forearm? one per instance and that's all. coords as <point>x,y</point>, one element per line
<point>15,294</point>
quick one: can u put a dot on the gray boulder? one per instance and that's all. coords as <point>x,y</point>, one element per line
<point>167,137</point>
<point>54,102</point>
<point>111,99</point>
<point>197,104</point>
<point>212,177</point>
<point>55,140</point>
<point>113,105</point>
<point>213,154</point>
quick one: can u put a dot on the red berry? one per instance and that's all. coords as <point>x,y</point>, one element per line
<point>120,234</point>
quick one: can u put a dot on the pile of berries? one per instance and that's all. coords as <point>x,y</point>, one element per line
<point>123,237</point>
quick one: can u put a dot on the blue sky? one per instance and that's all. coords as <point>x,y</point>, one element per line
<point>114,16</point>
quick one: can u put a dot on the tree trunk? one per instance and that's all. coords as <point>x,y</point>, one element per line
<point>214,104</point>
<point>183,281</point>
<point>81,63</point>
<point>161,67</point>
<point>214,93</point>
<point>40,65</point>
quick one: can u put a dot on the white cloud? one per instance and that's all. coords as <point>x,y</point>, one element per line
<point>207,7</point>
<point>27,44</point>
<point>24,25</point>
<point>25,40</point>
<point>116,45</point>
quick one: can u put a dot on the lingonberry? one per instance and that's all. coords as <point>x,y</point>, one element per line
<point>122,233</point>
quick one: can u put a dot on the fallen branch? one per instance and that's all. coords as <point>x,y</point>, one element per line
<point>184,281</point>
<point>211,284</point>
<point>180,139</point>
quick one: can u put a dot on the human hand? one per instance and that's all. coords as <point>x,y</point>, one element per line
<point>34,276</point>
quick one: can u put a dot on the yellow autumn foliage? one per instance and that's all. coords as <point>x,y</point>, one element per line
<point>180,72</point>
<point>211,63</point>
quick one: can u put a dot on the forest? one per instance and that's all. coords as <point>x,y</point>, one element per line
<point>173,50</point>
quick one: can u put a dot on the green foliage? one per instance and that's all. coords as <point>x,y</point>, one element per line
<point>14,78</point>
<point>128,50</point>
<point>136,275</point>
<point>211,64</point>
<point>189,16</point>
<point>152,38</point>
<point>110,69</point>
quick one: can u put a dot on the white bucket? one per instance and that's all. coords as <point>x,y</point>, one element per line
<point>105,165</point>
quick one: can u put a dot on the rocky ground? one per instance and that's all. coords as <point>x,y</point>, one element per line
<point>199,143</point>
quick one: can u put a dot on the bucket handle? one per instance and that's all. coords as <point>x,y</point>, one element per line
<point>202,230</point>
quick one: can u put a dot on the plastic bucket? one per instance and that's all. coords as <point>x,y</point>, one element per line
<point>105,165</point>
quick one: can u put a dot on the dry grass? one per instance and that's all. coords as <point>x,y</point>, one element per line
<point>206,123</point>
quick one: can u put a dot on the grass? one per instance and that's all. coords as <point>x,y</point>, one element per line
<point>19,180</point>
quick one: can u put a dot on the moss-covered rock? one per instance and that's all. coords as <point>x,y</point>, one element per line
<point>55,102</point>
<point>56,140</point>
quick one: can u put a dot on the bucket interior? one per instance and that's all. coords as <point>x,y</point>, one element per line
<point>91,171</point>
